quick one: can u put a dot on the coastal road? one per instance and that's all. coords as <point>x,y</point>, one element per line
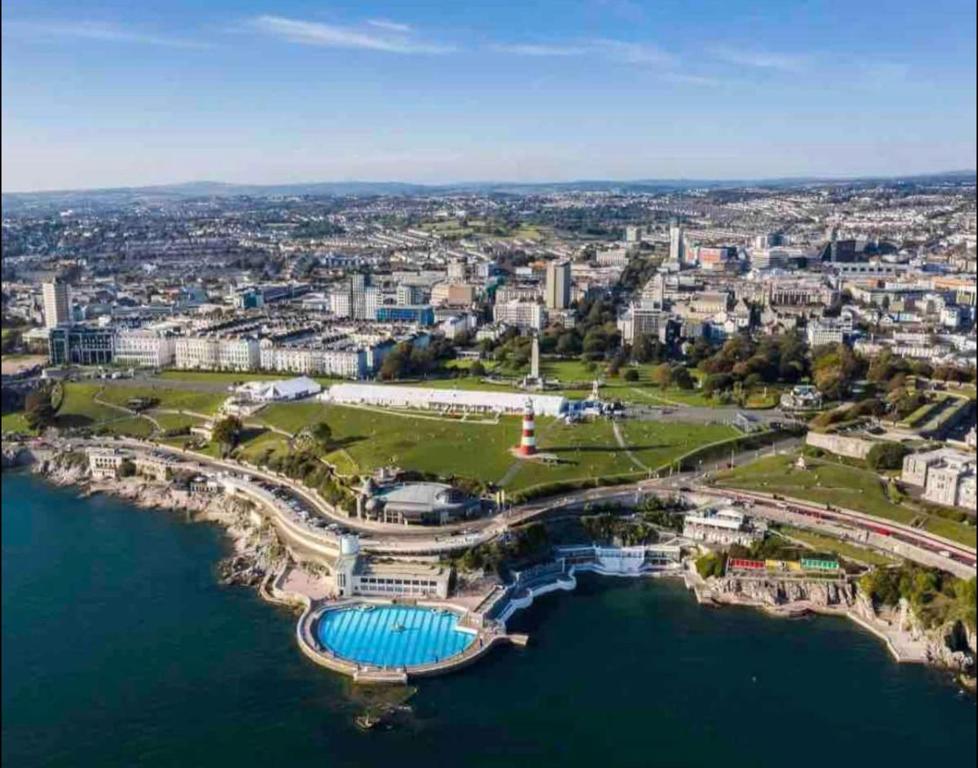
<point>894,538</point>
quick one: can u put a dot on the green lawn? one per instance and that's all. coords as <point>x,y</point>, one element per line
<point>14,422</point>
<point>844,549</point>
<point>830,483</point>
<point>168,399</point>
<point>823,482</point>
<point>258,443</point>
<point>174,420</point>
<point>656,443</point>
<point>78,408</point>
<point>132,426</point>
<point>372,439</point>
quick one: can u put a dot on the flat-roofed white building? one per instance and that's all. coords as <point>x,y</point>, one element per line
<point>946,475</point>
<point>104,463</point>
<point>349,363</point>
<point>355,575</point>
<point>522,314</point>
<point>144,348</point>
<point>211,353</point>
<point>426,398</point>
<point>723,526</point>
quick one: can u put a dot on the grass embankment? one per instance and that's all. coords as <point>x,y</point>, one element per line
<point>843,549</point>
<point>849,487</point>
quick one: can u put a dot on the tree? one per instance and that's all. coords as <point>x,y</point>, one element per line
<point>227,432</point>
<point>393,366</point>
<point>12,338</point>
<point>661,375</point>
<point>631,375</point>
<point>568,344</point>
<point>681,377</point>
<point>127,468</point>
<point>322,434</point>
<point>39,409</point>
<point>834,369</point>
<point>477,369</point>
<point>647,349</point>
<point>886,456</point>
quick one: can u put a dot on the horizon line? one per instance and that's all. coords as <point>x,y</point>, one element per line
<point>507,182</point>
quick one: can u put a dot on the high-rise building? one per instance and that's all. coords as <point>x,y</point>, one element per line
<point>355,298</point>
<point>558,291</point>
<point>677,244</point>
<point>57,304</point>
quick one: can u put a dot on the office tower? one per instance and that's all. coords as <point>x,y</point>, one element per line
<point>57,304</point>
<point>677,246</point>
<point>558,290</point>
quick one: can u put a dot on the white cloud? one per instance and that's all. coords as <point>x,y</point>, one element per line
<point>95,31</point>
<point>386,38</point>
<point>632,53</point>
<point>534,49</point>
<point>682,78</point>
<point>392,26</point>
<point>613,50</point>
<point>782,62</point>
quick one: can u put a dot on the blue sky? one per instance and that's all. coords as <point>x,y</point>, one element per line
<point>124,93</point>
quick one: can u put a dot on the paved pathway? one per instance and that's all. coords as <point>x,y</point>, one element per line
<point>628,451</point>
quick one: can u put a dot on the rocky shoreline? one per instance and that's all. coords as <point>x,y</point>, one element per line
<point>258,554</point>
<point>950,647</point>
<point>256,549</point>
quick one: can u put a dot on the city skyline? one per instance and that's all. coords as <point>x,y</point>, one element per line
<point>296,92</point>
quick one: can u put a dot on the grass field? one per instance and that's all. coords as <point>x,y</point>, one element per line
<point>174,420</point>
<point>369,439</point>
<point>168,399</point>
<point>13,422</point>
<point>839,485</point>
<point>843,549</point>
<point>80,410</point>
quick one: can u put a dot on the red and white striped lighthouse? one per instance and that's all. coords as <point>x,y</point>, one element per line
<point>528,442</point>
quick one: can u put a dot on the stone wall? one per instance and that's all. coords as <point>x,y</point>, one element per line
<point>841,445</point>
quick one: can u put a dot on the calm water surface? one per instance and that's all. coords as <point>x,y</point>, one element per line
<point>120,649</point>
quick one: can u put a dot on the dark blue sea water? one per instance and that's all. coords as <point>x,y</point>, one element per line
<point>121,649</point>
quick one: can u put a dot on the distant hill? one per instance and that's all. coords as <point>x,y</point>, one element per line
<point>153,195</point>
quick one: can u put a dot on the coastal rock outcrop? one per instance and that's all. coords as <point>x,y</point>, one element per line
<point>15,456</point>
<point>783,592</point>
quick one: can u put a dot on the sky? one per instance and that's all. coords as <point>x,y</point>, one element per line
<point>122,93</point>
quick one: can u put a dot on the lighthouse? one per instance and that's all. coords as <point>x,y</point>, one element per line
<point>528,441</point>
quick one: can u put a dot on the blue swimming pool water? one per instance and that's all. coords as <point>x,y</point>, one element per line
<point>375,636</point>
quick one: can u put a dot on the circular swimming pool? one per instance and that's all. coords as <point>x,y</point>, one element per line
<point>392,635</point>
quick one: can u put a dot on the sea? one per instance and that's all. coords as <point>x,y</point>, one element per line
<point>121,648</point>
